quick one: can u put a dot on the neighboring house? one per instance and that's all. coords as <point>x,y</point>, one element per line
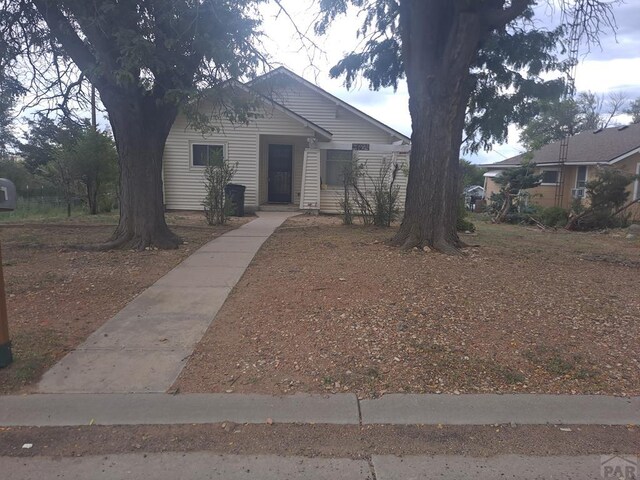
<point>291,156</point>
<point>618,147</point>
<point>472,195</point>
<point>475,191</point>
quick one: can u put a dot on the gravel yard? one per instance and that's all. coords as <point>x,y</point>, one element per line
<point>329,308</point>
<point>57,295</point>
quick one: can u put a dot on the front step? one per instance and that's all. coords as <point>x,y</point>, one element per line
<point>278,207</point>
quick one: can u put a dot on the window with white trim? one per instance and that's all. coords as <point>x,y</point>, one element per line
<point>337,161</point>
<point>203,154</point>
<point>581,176</point>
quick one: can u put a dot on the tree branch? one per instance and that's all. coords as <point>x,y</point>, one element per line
<point>63,31</point>
<point>500,18</point>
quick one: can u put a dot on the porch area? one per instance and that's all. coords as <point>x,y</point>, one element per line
<point>300,173</point>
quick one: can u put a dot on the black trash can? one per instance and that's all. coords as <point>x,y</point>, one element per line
<point>235,194</point>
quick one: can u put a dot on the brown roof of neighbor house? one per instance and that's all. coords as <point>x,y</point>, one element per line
<point>586,147</point>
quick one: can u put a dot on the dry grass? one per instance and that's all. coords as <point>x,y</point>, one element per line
<point>329,308</point>
<point>58,295</point>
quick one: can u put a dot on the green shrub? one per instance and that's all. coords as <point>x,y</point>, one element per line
<point>462,224</point>
<point>106,203</point>
<point>217,176</point>
<point>553,216</point>
<point>607,193</point>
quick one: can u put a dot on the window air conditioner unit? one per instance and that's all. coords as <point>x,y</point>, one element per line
<point>578,192</point>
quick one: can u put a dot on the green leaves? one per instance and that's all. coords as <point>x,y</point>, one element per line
<point>148,48</point>
<point>634,111</point>
<point>522,177</point>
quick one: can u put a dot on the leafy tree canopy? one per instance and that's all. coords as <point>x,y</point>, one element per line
<point>608,192</point>
<point>472,174</point>
<point>556,120</point>
<point>634,110</point>
<point>46,136</point>
<point>10,91</point>
<point>522,177</point>
<point>146,59</point>
<point>507,75</point>
<point>472,68</point>
<point>513,182</point>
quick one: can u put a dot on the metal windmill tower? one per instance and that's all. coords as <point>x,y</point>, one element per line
<point>569,92</point>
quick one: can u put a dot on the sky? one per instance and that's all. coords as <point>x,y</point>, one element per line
<point>612,67</point>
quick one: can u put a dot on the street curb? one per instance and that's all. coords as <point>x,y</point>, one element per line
<point>489,409</point>
<point>42,410</point>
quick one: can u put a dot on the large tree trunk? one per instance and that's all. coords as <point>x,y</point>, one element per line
<point>439,45</point>
<point>140,129</point>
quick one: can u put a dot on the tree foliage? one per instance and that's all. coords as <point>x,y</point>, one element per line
<point>513,182</point>
<point>147,59</point>
<point>556,120</point>
<point>216,178</point>
<point>506,75</point>
<point>13,168</point>
<point>634,110</point>
<point>10,91</point>
<point>80,161</point>
<point>45,136</point>
<point>472,68</point>
<point>472,174</point>
<point>94,164</point>
<point>372,196</point>
<point>607,195</point>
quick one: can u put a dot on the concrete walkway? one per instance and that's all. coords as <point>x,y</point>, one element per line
<point>146,345</point>
<point>338,409</point>
<point>202,465</point>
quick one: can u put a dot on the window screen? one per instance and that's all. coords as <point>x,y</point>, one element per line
<point>581,179</point>
<point>550,176</point>
<point>204,155</point>
<point>336,162</point>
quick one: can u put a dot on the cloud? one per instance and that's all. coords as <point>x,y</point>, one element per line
<point>625,43</point>
<point>613,67</point>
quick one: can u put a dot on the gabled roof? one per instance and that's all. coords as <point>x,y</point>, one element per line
<point>609,145</point>
<point>287,111</point>
<point>332,98</point>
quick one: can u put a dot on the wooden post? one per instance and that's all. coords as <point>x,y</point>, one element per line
<point>94,123</point>
<point>5,343</point>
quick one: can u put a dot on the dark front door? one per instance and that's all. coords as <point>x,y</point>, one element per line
<point>280,173</point>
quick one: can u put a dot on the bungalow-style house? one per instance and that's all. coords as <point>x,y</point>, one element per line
<point>618,147</point>
<point>290,156</point>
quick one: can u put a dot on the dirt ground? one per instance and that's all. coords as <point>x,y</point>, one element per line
<point>351,441</point>
<point>57,295</point>
<point>329,308</point>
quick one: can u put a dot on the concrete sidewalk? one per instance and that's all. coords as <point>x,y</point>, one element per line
<point>202,465</point>
<point>338,409</point>
<point>146,345</point>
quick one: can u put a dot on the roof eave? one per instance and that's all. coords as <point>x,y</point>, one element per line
<point>331,97</point>
<point>287,111</point>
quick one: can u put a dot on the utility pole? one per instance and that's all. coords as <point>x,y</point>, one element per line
<point>94,124</point>
<point>569,93</point>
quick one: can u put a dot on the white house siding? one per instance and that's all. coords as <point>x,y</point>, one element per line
<point>184,184</point>
<point>343,124</point>
<point>310,198</point>
<point>330,198</point>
